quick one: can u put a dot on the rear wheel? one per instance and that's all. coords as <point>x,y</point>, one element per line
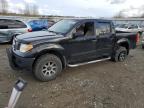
<point>47,67</point>
<point>120,54</point>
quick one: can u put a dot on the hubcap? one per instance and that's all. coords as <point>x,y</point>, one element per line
<point>49,69</point>
<point>122,56</point>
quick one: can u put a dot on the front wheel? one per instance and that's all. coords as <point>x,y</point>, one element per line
<point>47,67</point>
<point>120,54</point>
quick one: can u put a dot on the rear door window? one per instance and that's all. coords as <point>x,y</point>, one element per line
<point>11,24</point>
<point>103,28</point>
<point>133,27</point>
<point>3,24</point>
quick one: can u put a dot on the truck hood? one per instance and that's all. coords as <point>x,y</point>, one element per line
<point>39,36</point>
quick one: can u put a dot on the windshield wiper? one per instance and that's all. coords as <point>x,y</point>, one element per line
<point>51,31</point>
<point>54,32</point>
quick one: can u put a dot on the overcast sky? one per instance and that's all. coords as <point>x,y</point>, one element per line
<point>92,8</point>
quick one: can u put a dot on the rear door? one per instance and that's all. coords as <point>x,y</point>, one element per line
<point>105,38</point>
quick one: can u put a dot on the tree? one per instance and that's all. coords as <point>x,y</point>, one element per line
<point>35,10</point>
<point>119,15</point>
<point>3,6</point>
<point>27,9</point>
<point>31,9</point>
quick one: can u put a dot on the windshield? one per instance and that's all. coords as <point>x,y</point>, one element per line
<point>62,26</point>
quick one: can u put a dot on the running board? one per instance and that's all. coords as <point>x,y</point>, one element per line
<point>90,62</point>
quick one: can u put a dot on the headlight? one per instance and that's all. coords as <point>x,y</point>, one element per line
<point>25,47</point>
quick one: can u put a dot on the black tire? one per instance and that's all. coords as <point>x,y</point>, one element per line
<point>120,54</point>
<point>43,69</point>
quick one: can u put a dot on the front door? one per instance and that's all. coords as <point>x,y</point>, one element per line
<point>82,46</point>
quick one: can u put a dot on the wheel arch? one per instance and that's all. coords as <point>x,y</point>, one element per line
<point>51,51</point>
<point>124,43</point>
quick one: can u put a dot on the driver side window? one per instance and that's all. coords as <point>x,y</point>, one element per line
<point>86,29</point>
<point>80,30</point>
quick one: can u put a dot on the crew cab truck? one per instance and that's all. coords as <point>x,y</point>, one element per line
<point>69,43</point>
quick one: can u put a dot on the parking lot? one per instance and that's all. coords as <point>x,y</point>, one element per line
<point>100,85</point>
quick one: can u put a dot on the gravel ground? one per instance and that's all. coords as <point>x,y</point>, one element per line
<point>100,85</point>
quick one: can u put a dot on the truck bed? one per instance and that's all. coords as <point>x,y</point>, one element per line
<point>130,36</point>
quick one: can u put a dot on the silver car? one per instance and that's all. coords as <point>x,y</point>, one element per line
<point>11,27</point>
<point>129,28</point>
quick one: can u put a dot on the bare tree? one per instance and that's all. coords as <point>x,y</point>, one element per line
<point>119,15</point>
<point>3,6</point>
<point>27,9</point>
<point>21,11</point>
<point>35,10</point>
<point>31,9</point>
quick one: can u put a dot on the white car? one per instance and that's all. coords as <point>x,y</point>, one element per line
<point>129,28</point>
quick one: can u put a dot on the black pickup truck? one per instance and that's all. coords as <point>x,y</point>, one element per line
<point>69,42</point>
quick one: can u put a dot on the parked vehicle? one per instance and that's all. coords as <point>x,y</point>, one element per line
<point>10,28</point>
<point>129,28</point>
<point>39,24</point>
<point>71,43</point>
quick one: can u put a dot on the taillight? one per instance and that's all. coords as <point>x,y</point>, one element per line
<point>137,38</point>
<point>29,30</point>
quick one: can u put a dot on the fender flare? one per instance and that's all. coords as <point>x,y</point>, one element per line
<point>124,40</point>
<point>52,48</point>
<point>49,47</point>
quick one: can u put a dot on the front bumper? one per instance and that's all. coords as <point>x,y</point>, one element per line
<point>17,62</point>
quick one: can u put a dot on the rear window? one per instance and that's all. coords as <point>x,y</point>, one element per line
<point>38,23</point>
<point>11,24</point>
<point>133,27</point>
<point>103,28</point>
<point>123,26</point>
